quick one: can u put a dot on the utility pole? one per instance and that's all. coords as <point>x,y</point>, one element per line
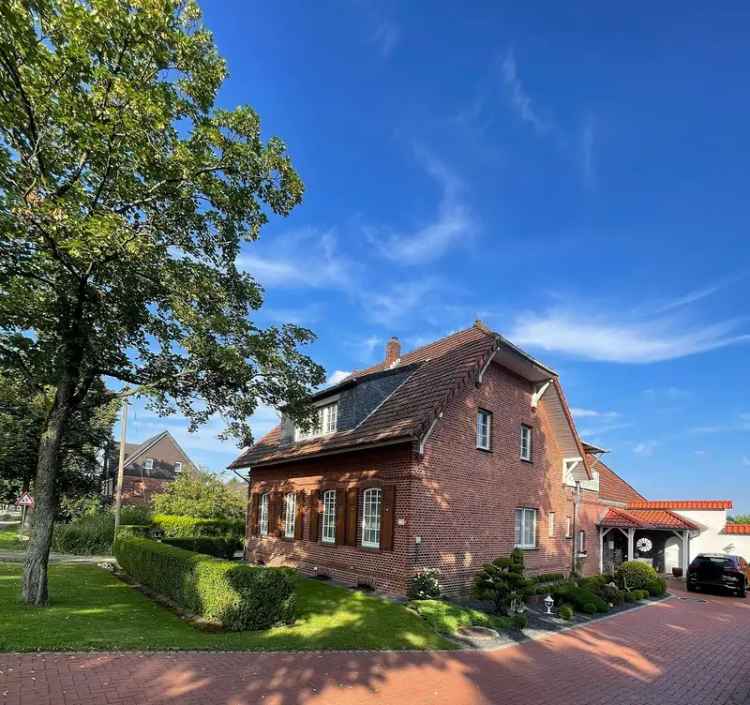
<point>121,464</point>
<point>576,499</point>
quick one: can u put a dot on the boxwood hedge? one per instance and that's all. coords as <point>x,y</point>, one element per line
<point>177,526</point>
<point>238,596</point>
<point>218,546</point>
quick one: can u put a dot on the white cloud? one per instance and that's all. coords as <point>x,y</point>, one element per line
<point>580,413</point>
<point>690,297</point>
<point>453,223</point>
<point>386,36</point>
<point>593,432</point>
<point>669,393</point>
<point>337,376</point>
<point>740,423</point>
<point>645,448</point>
<point>308,257</point>
<point>605,338</point>
<point>519,98</point>
<point>392,306</point>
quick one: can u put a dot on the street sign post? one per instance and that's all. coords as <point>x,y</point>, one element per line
<point>25,500</point>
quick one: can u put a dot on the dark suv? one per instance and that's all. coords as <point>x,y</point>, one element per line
<point>719,571</point>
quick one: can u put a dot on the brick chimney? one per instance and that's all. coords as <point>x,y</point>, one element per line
<point>392,351</point>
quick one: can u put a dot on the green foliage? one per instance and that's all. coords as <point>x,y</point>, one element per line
<point>544,578</point>
<point>656,588</point>
<point>502,582</point>
<point>630,596</point>
<point>739,518</point>
<point>640,594</point>
<point>196,493</point>
<point>612,595</point>
<point>142,530</point>
<point>219,547</point>
<point>88,535</point>
<point>187,527</point>
<point>579,597</point>
<point>589,608</point>
<point>238,596</point>
<point>566,612</point>
<point>448,617</point>
<point>425,585</point>
<point>635,575</point>
<point>595,582</point>
<point>520,620</point>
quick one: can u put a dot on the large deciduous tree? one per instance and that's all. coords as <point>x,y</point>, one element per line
<point>125,194</point>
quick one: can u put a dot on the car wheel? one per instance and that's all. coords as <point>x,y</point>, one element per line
<point>741,592</point>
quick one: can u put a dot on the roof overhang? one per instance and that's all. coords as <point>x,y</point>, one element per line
<point>521,363</point>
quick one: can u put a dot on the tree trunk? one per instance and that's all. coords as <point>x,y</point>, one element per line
<point>48,465</point>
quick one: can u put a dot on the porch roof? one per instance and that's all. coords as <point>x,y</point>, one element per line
<point>645,519</point>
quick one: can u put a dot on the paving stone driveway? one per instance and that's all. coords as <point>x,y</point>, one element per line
<point>679,651</point>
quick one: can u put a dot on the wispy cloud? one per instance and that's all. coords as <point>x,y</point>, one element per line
<point>385,37</point>
<point>452,224</point>
<point>337,376</point>
<point>393,306</point>
<point>580,413</point>
<point>520,100</point>
<point>591,433</point>
<point>601,336</point>
<point>308,257</point>
<point>690,297</point>
<point>645,448</point>
<point>740,423</point>
<point>670,393</point>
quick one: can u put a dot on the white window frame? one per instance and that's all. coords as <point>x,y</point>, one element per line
<point>568,527</point>
<point>521,528</point>
<point>581,541</point>
<point>263,504</point>
<point>484,429</point>
<point>551,524</point>
<point>326,423</point>
<point>290,514</point>
<point>527,443</point>
<point>178,466</point>
<point>328,521</point>
<point>148,464</point>
<point>372,500</point>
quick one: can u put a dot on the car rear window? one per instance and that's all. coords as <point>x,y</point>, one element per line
<point>705,561</point>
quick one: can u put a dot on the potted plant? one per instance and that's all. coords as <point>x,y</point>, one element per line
<point>677,572</point>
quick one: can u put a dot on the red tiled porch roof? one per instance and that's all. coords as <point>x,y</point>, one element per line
<point>737,529</point>
<point>683,504</point>
<point>645,519</point>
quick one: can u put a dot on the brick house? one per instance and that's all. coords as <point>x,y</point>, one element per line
<point>445,457</point>
<point>150,467</point>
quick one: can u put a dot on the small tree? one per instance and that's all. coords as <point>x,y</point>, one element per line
<point>502,582</point>
<point>197,493</point>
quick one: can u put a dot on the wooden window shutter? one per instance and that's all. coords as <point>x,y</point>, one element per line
<point>314,533</point>
<point>352,502</point>
<point>254,503</point>
<point>274,519</point>
<point>387,517</point>
<point>298,520</point>
<point>341,516</point>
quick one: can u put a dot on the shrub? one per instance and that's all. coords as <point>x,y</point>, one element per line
<point>237,596</point>
<point>142,530</point>
<point>639,594</point>
<point>218,546</point>
<point>425,585</point>
<point>630,597</point>
<point>90,534</point>
<point>502,582</point>
<point>175,526</point>
<point>135,515</point>
<point>595,582</point>
<point>589,608</point>
<point>579,597</point>
<point>656,588</point>
<point>520,620</point>
<point>635,575</point>
<point>566,612</point>
<point>548,578</point>
<point>612,595</point>
<point>201,494</point>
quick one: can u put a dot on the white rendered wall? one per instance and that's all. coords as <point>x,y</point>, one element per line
<point>712,538</point>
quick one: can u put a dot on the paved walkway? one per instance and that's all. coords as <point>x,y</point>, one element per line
<point>681,651</point>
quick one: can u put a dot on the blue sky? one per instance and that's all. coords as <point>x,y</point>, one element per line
<point>575,176</point>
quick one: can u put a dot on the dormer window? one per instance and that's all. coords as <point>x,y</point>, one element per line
<point>326,422</point>
<point>178,467</point>
<point>148,464</point>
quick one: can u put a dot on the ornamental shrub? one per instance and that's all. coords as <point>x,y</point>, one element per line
<point>579,597</point>
<point>635,575</point>
<point>177,526</point>
<point>520,620</point>
<point>502,582</point>
<point>217,546</point>
<point>238,596</point>
<point>566,612</point>
<point>425,585</point>
<point>589,608</point>
<point>630,596</point>
<point>640,594</point>
<point>612,595</point>
<point>657,588</point>
<point>142,530</point>
<point>89,535</point>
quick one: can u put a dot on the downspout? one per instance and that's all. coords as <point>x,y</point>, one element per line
<point>574,552</point>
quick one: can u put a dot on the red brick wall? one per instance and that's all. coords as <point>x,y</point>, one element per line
<point>141,491</point>
<point>384,570</point>
<point>463,498</point>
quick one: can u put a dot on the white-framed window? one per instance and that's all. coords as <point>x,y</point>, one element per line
<point>328,534</point>
<point>525,442</point>
<point>178,466</point>
<point>325,422</point>
<point>551,524</point>
<point>581,541</point>
<point>148,464</point>
<point>263,514</point>
<point>568,527</point>
<point>525,528</point>
<point>108,484</point>
<point>484,429</point>
<point>290,514</point>
<point>371,500</point>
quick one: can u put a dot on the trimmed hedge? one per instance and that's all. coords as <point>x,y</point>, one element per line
<point>176,526</point>
<point>218,546</point>
<point>238,596</point>
<point>579,597</point>
<point>635,575</point>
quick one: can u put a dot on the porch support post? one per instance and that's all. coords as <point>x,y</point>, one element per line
<point>631,542</point>
<point>685,556</point>
<point>602,531</point>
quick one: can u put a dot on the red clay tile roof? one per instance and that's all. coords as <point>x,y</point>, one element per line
<point>645,519</point>
<point>698,504</point>
<point>611,485</point>
<point>737,529</point>
<point>440,371</point>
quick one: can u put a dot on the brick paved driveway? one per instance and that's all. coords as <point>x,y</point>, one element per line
<point>679,651</point>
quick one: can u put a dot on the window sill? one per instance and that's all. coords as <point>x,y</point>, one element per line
<point>370,549</point>
<point>530,461</point>
<point>527,548</point>
<point>484,450</point>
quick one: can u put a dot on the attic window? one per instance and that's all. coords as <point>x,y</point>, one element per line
<point>148,464</point>
<point>326,422</point>
<point>178,467</point>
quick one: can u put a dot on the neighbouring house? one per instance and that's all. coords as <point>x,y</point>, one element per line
<point>447,457</point>
<point>150,467</point>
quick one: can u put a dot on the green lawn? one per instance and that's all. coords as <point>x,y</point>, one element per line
<point>448,618</point>
<point>91,609</point>
<point>9,539</point>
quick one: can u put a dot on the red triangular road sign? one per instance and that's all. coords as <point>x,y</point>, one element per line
<point>25,500</point>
